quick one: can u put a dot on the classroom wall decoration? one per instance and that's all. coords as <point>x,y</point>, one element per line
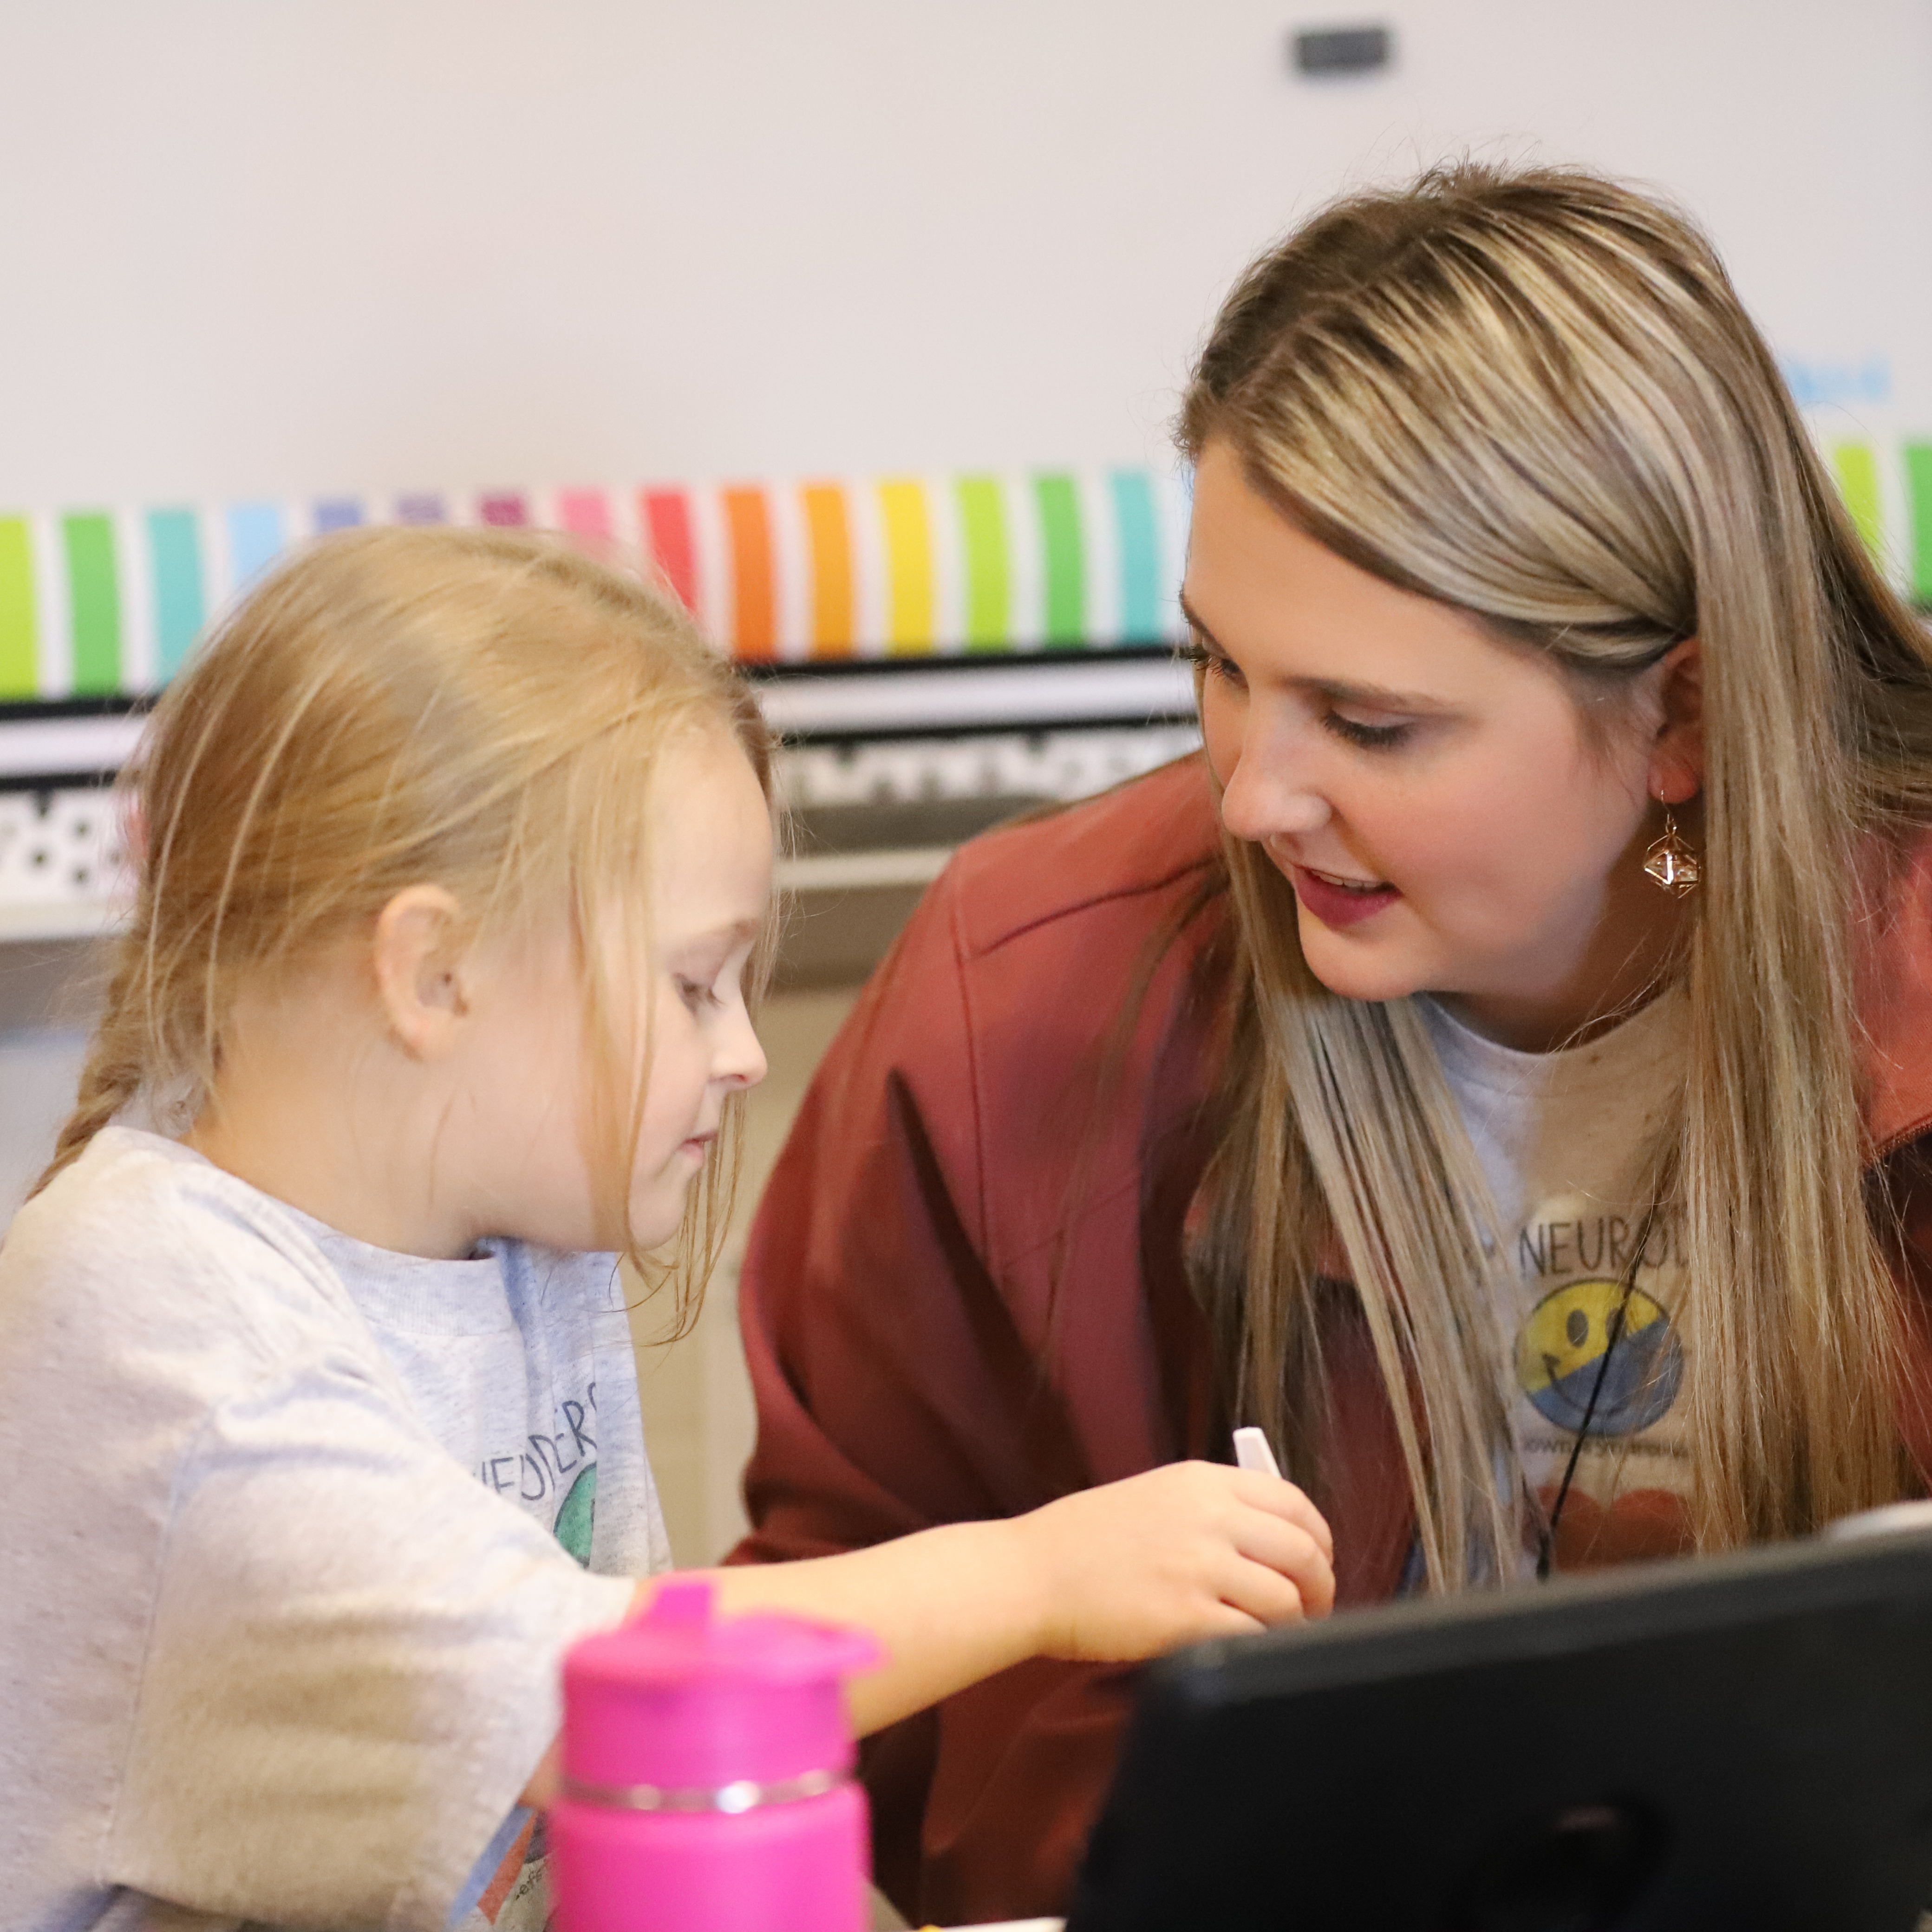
<point>107,603</point>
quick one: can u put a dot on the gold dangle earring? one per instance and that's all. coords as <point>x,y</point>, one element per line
<point>1673,864</point>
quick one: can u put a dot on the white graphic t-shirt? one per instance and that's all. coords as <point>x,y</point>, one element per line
<point>296,1532</point>
<point>504,1355</point>
<point>1561,1138</point>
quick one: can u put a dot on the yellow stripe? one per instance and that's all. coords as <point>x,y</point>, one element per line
<point>908,529</point>
<point>1858,479</point>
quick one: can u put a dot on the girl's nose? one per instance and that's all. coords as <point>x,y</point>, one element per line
<point>740,1061</point>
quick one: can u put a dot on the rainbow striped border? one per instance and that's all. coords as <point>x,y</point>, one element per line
<point>107,603</point>
<point>100,603</point>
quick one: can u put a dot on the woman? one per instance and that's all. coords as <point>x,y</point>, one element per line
<point>1512,1102</point>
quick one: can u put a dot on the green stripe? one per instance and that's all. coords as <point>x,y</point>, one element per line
<point>1858,478</point>
<point>94,592</point>
<point>989,590</point>
<point>1066,560</point>
<point>1918,485</point>
<point>19,632</point>
<point>174,545</point>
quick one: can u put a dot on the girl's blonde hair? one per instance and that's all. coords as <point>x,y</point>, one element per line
<point>482,710</point>
<point>1534,396</point>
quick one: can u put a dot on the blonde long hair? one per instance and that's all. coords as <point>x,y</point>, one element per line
<point>1534,396</point>
<point>482,710</point>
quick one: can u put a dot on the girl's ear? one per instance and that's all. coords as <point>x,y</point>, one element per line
<point>1677,752</point>
<point>419,957</point>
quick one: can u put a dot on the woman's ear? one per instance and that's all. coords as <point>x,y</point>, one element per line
<point>1677,752</point>
<point>420,956</point>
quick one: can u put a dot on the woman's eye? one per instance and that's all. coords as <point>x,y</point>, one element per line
<point>1369,737</point>
<point>1212,663</point>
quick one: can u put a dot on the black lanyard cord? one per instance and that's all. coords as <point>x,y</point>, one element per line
<point>1546,1549</point>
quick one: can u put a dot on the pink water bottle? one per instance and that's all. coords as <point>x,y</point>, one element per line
<point>707,1776</point>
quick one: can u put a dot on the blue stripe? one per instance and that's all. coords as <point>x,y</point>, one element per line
<point>181,600</point>
<point>255,540</point>
<point>1142,620</point>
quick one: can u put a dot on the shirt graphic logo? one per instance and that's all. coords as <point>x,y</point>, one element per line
<point>1559,1355</point>
<point>578,1515</point>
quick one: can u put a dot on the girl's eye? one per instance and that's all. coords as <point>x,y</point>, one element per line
<point>1369,737</point>
<point>696,994</point>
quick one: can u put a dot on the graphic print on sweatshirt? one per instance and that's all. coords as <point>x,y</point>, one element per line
<point>553,1474</point>
<point>1587,1354</point>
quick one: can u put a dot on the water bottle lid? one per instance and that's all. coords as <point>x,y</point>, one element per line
<point>683,1697</point>
<point>680,1638</point>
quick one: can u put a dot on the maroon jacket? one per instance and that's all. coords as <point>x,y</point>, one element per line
<point>964,1296</point>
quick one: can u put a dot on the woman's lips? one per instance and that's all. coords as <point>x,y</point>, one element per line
<point>1337,905</point>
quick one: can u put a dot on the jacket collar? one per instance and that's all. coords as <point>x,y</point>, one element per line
<point>1893,958</point>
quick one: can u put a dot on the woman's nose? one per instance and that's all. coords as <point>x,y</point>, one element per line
<point>1263,798</point>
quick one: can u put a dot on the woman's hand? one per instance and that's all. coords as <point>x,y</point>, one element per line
<point>1188,1551</point>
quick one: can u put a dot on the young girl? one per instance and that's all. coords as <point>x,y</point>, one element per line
<point>317,1401</point>
<point>1524,1115</point>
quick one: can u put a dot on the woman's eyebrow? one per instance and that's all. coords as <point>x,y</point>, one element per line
<point>1194,623</point>
<point>1345,690</point>
<point>1373,697</point>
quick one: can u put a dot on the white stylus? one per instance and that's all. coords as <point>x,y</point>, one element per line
<point>1251,1452</point>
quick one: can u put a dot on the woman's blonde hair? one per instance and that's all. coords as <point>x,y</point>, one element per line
<point>1534,396</point>
<point>482,710</point>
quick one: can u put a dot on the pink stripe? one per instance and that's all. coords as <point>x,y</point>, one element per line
<point>584,513</point>
<point>505,509</point>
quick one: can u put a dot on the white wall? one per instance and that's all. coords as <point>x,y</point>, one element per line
<point>282,247</point>
<point>39,1071</point>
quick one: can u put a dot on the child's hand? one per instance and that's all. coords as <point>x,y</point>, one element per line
<point>1108,1576</point>
<point>1190,1551</point>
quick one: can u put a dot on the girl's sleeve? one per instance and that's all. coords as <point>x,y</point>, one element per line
<point>351,1670</point>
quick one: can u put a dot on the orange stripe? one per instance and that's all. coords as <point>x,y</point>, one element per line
<point>507,1874</point>
<point>753,599</point>
<point>834,619</point>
